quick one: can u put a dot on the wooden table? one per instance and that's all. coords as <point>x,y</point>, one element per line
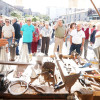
<point>60,94</point>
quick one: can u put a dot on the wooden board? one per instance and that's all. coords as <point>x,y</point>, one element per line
<point>14,63</point>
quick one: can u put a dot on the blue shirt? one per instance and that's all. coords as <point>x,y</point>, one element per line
<point>27,33</point>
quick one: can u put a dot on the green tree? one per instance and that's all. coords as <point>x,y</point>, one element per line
<point>35,18</point>
<point>15,14</point>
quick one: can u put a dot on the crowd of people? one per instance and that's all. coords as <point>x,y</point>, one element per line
<point>76,36</point>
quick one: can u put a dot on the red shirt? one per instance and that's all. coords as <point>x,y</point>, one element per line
<point>86,33</point>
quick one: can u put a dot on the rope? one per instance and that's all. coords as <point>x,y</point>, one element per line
<point>15,82</point>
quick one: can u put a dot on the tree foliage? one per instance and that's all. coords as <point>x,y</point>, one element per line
<point>15,14</point>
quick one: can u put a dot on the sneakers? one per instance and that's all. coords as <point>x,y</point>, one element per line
<point>30,56</point>
<point>34,54</point>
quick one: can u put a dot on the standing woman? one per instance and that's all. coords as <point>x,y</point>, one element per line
<point>69,30</point>
<point>35,39</point>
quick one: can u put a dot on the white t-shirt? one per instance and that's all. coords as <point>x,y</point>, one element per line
<point>7,31</point>
<point>77,36</point>
<point>97,40</point>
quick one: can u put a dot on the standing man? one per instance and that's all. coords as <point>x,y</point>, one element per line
<point>77,38</point>
<point>87,32</point>
<point>27,32</point>
<point>46,34</point>
<point>8,32</point>
<point>60,32</point>
<point>17,33</point>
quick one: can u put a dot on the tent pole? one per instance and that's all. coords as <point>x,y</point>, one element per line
<point>95,7</point>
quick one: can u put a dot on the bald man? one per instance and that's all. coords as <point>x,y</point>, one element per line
<point>77,38</point>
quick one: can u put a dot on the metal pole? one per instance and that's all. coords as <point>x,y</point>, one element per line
<point>95,7</point>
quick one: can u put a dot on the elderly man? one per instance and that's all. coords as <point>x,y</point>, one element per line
<point>77,38</point>
<point>17,33</point>
<point>27,32</point>
<point>97,43</point>
<point>8,32</point>
<point>60,32</point>
<point>46,34</point>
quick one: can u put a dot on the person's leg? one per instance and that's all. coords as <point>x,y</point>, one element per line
<point>43,45</point>
<point>29,47</point>
<point>36,43</point>
<point>17,48</point>
<point>47,45</point>
<point>99,56</point>
<point>33,46</point>
<point>85,48</point>
<point>61,45</point>
<point>78,47</point>
<point>72,48</point>
<point>39,42</point>
<point>53,33</point>
<point>97,53</point>
<point>9,43</point>
<point>56,44</point>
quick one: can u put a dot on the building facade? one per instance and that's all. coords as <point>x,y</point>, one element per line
<point>6,9</point>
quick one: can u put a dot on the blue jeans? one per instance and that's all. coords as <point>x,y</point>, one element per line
<point>17,48</point>
<point>9,42</point>
<point>29,47</point>
<point>75,47</point>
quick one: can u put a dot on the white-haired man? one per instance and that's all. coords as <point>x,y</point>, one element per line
<point>8,32</point>
<point>60,32</point>
<point>77,38</point>
<point>46,34</point>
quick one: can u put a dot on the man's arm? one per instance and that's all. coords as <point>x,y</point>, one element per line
<point>97,36</point>
<point>2,35</point>
<point>71,40</point>
<point>65,33</point>
<point>55,27</point>
<point>21,32</point>
<point>83,40</point>
<point>13,35</point>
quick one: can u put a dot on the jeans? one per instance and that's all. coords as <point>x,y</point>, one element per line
<point>53,33</point>
<point>29,47</point>
<point>9,42</point>
<point>17,48</point>
<point>75,47</point>
<point>39,42</point>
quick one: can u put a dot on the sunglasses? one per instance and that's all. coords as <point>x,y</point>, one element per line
<point>7,21</point>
